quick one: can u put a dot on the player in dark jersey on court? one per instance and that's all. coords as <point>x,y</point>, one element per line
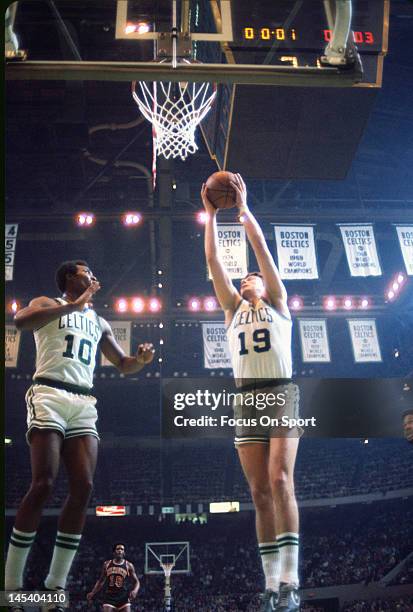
<point>259,339</point>
<point>121,581</point>
<point>61,415</point>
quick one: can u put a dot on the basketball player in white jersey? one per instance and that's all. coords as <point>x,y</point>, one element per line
<point>259,337</point>
<point>61,415</point>
<point>116,574</point>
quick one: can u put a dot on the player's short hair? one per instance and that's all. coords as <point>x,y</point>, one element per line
<point>254,274</point>
<point>67,267</point>
<point>116,545</point>
<point>408,412</point>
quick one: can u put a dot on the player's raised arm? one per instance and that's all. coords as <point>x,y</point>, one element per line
<point>226,293</point>
<point>274,286</point>
<point>125,364</point>
<point>99,584</point>
<point>43,310</point>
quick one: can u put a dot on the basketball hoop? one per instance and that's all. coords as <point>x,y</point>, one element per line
<point>167,568</point>
<point>175,110</point>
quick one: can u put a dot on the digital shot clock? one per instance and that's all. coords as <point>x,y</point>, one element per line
<point>302,26</point>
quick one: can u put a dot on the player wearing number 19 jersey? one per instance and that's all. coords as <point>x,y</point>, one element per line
<point>259,338</point>
<point>61,415</point>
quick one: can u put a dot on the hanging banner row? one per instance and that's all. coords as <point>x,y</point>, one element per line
<point>315,346</point>
<point>296,251</point>
<point>313,337</point>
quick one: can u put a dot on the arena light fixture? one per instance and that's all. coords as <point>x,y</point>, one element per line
<point>202,217</point>
<point>296,303</point>
<point>365,303</point>
<point>121,305</point>
<point>194,304</point>
<point>14,306</point>
<point>85,219</point>
<point>141,27</point>
<point>154,304</point>
<point>138,305</point>
<point>390,294</point>
<point>131,219</point>
<point>400,278</point>
<point>330,303</point>
<point>348,303</point>
<point>210,304</point>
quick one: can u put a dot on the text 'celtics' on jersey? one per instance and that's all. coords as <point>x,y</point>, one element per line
<point>66,347</point>
<point>259,340</point>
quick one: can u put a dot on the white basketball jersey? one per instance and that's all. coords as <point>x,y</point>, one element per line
<point>259,341</point>
<point>66,347</point>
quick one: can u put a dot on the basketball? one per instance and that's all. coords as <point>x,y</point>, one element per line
<point>220,192</point>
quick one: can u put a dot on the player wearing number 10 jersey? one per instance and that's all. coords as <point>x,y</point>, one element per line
<point>61,414</point>
<point>121,581</point>
<point>259,338</point>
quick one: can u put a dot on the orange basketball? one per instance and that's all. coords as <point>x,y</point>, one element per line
<point>220,192</point>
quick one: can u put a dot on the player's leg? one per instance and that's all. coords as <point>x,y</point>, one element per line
<point>254,460</point>
<point>79,456</point>
<point>45,448</point>
<point>282,456</point>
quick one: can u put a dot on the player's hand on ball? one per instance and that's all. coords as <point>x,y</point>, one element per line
<point>145,353</point>
<point>241,191</point>
<point>209,207</point>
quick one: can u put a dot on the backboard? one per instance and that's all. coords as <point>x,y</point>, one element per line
<point>297,78</point>
<point>158,554</point>
<point>280,43</point>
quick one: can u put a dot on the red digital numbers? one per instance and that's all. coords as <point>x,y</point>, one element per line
<point>358,37</point>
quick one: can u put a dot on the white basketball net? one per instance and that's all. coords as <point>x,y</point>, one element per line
<point>175,110</point>
<point>167,568</point>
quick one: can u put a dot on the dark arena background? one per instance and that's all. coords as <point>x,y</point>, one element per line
<point>78,160</point>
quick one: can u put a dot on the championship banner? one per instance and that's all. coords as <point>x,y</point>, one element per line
<point>405,234</point>
<point>122,332</point>
<point>216,353</point>
<point>296,252</point>
<point>366,348</point>
<point>232,250</point>
<point>360,246</point>
<point>314,341</point>
<point>12,343</point>
<point>10,247</point>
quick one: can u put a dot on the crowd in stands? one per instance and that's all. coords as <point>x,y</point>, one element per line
<point>211,472</point>
<point>344,545</point>
<point>401,604</point>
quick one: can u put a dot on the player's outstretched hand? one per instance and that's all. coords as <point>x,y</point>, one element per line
<point>241,191</point>
<point>209,207</point>
<point>145,353</point>
<point>87,295</point>
<point>89,598</point>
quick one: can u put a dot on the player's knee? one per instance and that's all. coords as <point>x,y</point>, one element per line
<point>41,488</point>
<point>281,483</point>
<point>81,490</point>
<point>261,495</point>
